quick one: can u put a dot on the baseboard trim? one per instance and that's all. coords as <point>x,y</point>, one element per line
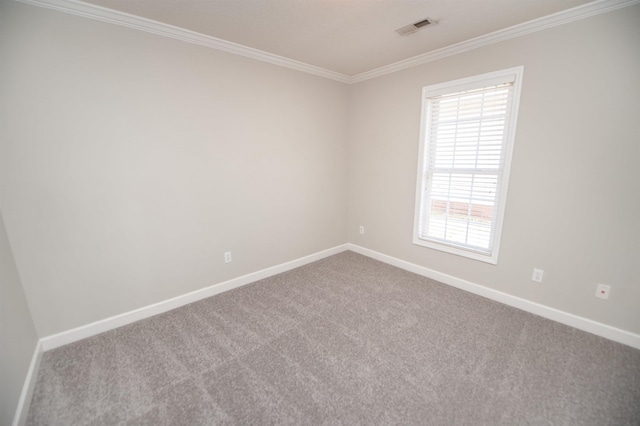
<point>20,417</point>
<point>581,323</point>
<point>94,328</point>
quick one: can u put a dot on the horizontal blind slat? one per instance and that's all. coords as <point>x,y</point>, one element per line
<point>464,160</point>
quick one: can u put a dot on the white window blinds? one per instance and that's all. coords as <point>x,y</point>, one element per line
<point>464,152</point>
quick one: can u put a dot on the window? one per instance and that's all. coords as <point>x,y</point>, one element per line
<point>468,127</point>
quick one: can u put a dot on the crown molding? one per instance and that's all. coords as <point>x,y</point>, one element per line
<point>103,14</point>
<point>550,21</point>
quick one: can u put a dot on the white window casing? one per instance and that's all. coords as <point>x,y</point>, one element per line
<point>466,144</point>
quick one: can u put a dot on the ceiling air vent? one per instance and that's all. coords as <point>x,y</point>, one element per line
<point>410,29</point>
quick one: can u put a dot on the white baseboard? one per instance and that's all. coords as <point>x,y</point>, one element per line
<point>20,417</point>
<point>73,335</point>
<point>79,333</point>
<point>581,323</point>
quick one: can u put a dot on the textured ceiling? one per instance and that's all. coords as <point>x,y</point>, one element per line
<point>345,36</point>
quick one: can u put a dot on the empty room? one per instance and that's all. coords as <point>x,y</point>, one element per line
<point>319,212</point>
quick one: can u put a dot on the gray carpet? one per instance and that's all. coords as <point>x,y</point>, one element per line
<point>346,340</point>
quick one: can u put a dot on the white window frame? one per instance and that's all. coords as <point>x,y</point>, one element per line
<point>511,75</point>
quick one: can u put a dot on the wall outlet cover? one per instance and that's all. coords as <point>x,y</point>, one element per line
<point>537,275</point>
<point>602,291</point>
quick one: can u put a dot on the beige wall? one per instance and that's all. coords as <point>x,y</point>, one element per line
<point>574,195</point>
<point>130,162</point>
<point>18,337</point>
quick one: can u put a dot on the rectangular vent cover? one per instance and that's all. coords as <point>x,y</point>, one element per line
<point>412,28</point>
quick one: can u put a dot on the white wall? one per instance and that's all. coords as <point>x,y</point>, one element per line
<point>574,195</point>
<point>130,162</point>
<point>18,337</point>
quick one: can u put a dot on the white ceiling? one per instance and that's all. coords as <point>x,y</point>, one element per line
<point>344,36</point>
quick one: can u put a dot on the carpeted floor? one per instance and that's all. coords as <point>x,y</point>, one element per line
<point>346,340</point>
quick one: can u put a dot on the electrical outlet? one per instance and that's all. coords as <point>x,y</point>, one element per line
<point>602,291</point>
<point>227,257</point>
<point>361,230</point>
<point>537,275</point>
